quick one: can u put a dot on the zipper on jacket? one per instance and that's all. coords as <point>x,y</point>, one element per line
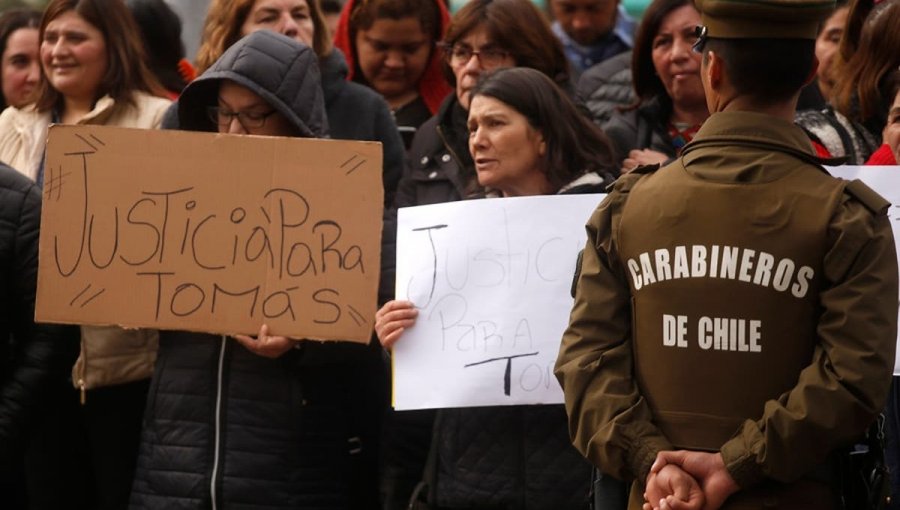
<point>217,424</point>
<point>81,382</point>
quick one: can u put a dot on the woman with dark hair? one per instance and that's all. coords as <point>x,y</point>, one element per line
<point>483,35</point>
<point>355,112</point>
<point>161,33</point>
<point>671,104</point>
<point>868,54</point>
<point>19,66</point>
<point>851,126</point>
<point>391,46</point>
<point>573,152</point>
<point>526,137</point>
<point>860,93</point>
<point>93,72</point>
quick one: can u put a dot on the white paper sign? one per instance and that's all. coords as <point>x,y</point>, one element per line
<point>886,181</point>
<point>491,279</point>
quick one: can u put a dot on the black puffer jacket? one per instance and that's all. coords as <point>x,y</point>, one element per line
<point>225,428</point>
<point>641,128</point>
<point>33,357</point>
<point>515,457</point>
<point>607,86</point>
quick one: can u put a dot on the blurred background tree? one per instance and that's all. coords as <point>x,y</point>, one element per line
<point>37,4</point>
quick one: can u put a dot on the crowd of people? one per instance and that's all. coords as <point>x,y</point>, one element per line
<point>707,121</point>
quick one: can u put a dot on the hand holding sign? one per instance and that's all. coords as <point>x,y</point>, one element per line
<point>266,345</point>
<point>392,319</point>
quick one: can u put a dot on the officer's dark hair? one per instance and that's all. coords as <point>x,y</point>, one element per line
<point>575,145</point>
<point>768,71</point>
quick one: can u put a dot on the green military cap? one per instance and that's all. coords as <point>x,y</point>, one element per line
<point>763,19</point>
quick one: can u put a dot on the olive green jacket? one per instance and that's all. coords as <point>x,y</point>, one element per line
<point>835,397</point>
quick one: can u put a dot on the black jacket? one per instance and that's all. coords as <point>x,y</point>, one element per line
<point>644,127</point>
<point>225,428</point>
<point>33,357</point>
<point>513,457</point>
<point>606,87</point>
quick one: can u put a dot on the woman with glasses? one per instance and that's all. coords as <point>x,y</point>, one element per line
<point>671,104</point>
<point>503,460</point>
<point>248,422</point>
<point>391,46</point>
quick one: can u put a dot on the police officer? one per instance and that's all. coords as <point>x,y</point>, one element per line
<point>735,314</point>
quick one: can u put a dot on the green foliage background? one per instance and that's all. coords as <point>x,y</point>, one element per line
<point>37,4</point>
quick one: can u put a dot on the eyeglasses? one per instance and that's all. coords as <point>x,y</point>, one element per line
<point>459,54</point>
<point>700,32</point>
<point>250,120</point>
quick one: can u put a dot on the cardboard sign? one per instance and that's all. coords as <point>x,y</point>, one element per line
<point>492,281</point>
<point>209,232</point>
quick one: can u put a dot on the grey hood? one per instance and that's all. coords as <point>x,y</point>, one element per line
<point>279,69</point>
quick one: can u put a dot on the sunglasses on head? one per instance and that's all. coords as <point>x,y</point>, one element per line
<point>700,32</point>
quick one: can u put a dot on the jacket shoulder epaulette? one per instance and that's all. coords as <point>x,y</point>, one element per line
<point>626,181</point>
<point>867,197</point>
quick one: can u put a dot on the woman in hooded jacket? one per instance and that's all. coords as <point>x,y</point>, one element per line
<point>249,422</point>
